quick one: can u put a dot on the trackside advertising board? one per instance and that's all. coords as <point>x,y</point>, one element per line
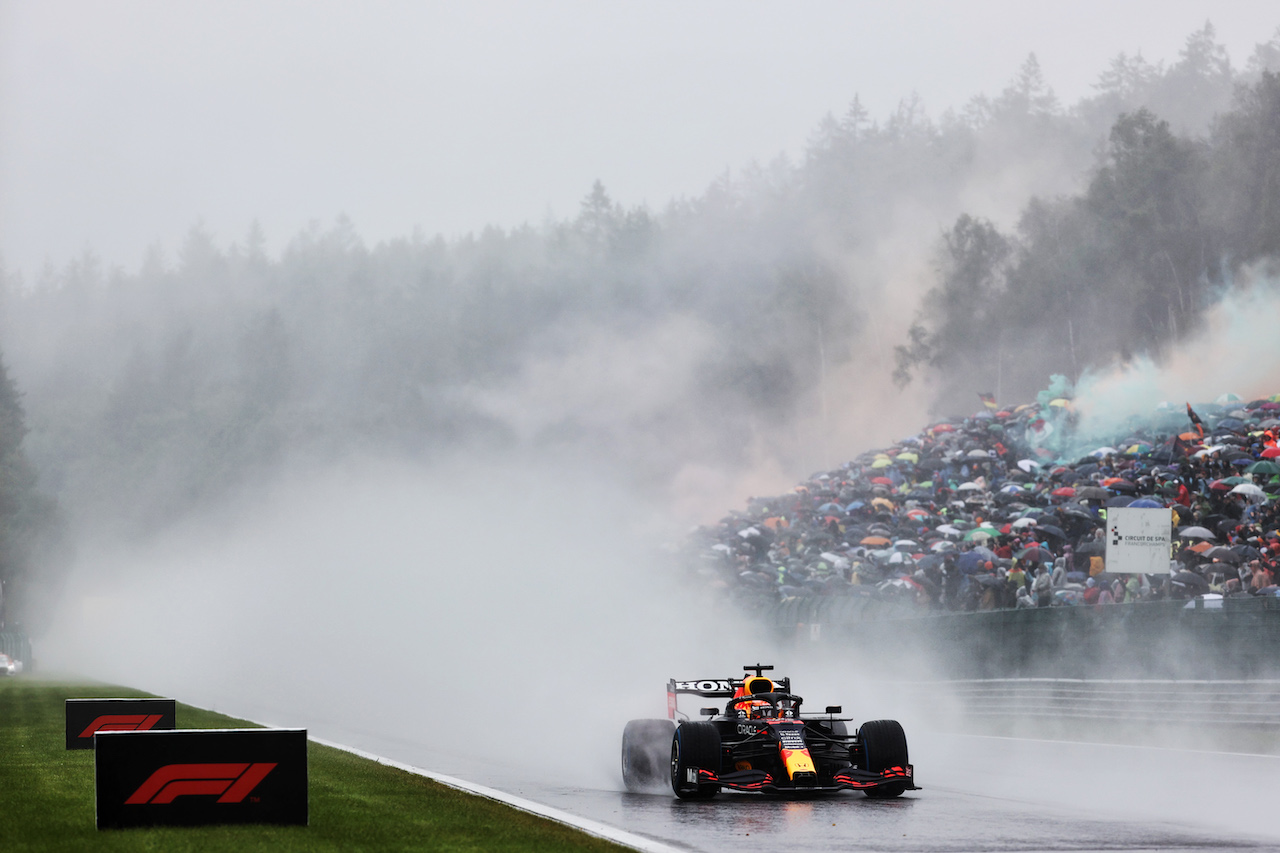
<point>1139,540</point>
<point>87,717</point>
<point>194,777</point>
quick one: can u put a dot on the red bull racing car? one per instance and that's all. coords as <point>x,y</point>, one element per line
<point>760,742</point>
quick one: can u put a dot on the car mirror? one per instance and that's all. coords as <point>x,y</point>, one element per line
<point>710,712</point>
<point>834,709</point>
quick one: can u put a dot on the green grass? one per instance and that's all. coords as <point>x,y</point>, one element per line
<point>355,804</point>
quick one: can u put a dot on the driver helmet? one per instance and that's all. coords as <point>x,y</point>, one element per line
<point>751,686</point>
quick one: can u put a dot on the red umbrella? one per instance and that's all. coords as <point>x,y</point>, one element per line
<point>1219,486</point>
<point>1270,453</point>
<point>943,428</point>
<point>882,481</point>
<point>1064,492</point>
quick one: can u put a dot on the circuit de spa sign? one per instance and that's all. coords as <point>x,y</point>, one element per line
<point>195,777</point>
<point>1139,540</point>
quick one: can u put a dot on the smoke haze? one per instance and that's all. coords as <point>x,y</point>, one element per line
<point>368,472</point>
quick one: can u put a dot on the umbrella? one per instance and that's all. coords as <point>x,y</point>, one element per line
<point>1191,582</point>
<point>1051,530</point>
<point>1227,399</point>
<point>1092,493</point>
<point>1146,503</point>
<point>1026,521</point>
<point>1092,549</point>
<point>929,561</point>
<point>1119,500</point>
<point>906,545</point>
<point>1104,451</point>
<point>880,481</point>
<point>1196,533</point>
<point>1270,453</point>
<point>1028,464</point>
<point>980,534</point>
<point>942,545</point>
<point>972,561</point>
<point>1266,466</point>
<point>875,540</point>
<point>1077,511</point>
<point>1223,554</point>
<point>968,487</point>
<point>1252,492</point>
<point>1036,554</point>
<point>1118,485</point>
<point>978,454</point>
<point>1064,492</point>
<point>1248,552</point>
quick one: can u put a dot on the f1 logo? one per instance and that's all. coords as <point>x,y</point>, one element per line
<point>231,783</point>
<point>121,723</point>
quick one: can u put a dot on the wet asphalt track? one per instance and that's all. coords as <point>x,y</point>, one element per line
<point>990,794</point>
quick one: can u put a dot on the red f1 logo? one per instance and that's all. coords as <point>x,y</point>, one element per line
<point>231,782</point>
<point>121,723</point>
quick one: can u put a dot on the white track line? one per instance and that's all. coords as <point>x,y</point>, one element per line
<point>591,827</point>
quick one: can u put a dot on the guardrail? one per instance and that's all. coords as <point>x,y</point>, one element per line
<point>1160,640</point>
<point>1252,703</point>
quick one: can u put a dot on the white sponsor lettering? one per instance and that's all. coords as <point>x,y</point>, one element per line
<point>791,739</point>
<point>705,686</point>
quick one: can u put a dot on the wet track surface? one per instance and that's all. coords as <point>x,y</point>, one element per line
<point>989,794</point>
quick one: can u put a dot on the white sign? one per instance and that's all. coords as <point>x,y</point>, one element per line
<point>1139,540</point>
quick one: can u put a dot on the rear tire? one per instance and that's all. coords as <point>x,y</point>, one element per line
<point>696,745</point>
<point>883,745</point>
<point>646,746</point>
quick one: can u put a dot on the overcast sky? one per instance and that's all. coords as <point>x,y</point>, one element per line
<point>124,123</point>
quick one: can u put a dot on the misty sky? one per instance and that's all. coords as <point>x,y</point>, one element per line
<point>125,123</point>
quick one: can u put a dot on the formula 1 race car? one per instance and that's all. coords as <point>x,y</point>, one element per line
<point>761,743</point>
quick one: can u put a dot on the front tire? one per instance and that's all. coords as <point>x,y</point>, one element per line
<point>695,746</point>
<point>645,748</point>
<point>883,745</point>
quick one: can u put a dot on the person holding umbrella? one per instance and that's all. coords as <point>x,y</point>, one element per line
<point>1042,588</point>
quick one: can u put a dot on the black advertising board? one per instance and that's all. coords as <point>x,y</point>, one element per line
<point>87,717</point>
<point>194,777</point>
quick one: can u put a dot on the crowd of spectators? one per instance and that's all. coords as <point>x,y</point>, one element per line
<point>991,511</point>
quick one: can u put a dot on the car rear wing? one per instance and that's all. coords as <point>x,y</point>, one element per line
<point>710,688</point>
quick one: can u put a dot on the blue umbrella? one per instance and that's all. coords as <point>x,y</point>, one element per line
<point>1145,503</point>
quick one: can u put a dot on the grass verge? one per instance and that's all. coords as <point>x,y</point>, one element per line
<point>355,804</point>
